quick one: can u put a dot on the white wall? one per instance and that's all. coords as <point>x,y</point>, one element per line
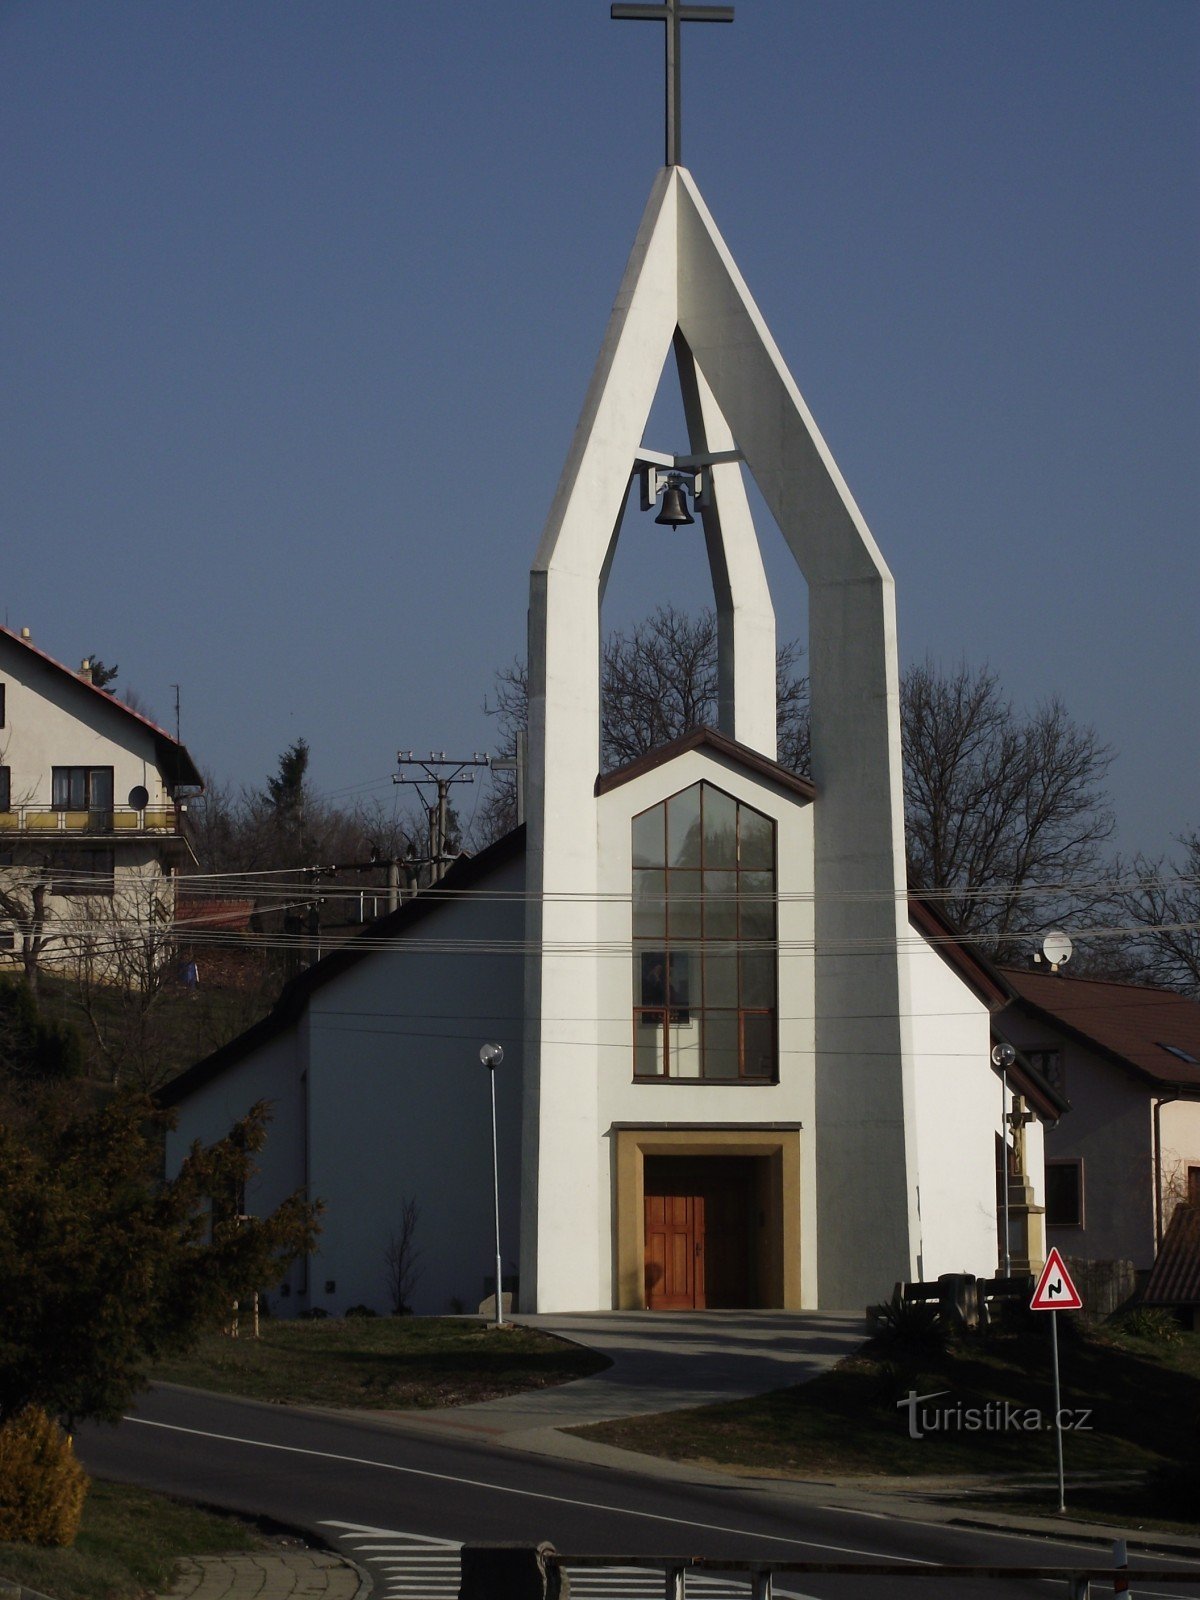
<point>399,1105</point>
<point>380,1088</point>
<point>1179,1122</point>
<point>958,1114</point>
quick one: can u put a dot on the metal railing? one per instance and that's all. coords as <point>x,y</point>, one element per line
<point>525,1572</point>
<point>39,820</point>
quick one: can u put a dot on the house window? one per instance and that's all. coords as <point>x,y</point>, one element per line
<point>82,871</point>
<point>704,940</point>
<point>1064,1194</point>
<point>5,788</point>
<point>82,789</point>
<point>1050,1064</point>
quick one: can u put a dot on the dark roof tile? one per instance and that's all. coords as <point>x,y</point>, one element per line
<point>1128,1022</point>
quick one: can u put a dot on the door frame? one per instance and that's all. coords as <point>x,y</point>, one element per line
<point>779,1149</point>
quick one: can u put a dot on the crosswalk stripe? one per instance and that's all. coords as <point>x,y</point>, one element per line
<point>413,1566</point>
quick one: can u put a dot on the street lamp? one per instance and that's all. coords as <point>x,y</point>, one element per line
<point>491,1055</point>
<point>1003,1056</point>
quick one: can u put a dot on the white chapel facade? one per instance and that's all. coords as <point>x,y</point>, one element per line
<point>737,1071</point>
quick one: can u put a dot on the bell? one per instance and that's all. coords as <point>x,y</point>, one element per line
<point>674,513</point>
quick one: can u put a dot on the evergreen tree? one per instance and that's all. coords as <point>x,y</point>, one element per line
<point>103,1266</point>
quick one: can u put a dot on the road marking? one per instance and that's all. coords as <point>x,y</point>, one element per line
<point>428,1569</point>
<point>852,1511</point>
<point>527,1494</point>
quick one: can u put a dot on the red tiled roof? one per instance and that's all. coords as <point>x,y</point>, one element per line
<point>1135,1025</point>
<point>1175,1276</point>
<point>178,764</point>
<point>207,912</point>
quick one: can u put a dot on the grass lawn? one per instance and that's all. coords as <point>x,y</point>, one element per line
<point>1144,1398</point>
<point>128,1546</point>
<point>380,1363</point>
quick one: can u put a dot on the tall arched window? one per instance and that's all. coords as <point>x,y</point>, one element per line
<point>704,940</point>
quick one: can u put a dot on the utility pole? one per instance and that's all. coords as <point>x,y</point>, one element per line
<point>516,765</point>
<point>439,771</point>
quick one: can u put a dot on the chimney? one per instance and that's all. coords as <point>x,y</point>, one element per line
<point>85,669</point>
<point>26,633</point>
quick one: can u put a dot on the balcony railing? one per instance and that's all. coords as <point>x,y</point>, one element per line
<point>111,820</point>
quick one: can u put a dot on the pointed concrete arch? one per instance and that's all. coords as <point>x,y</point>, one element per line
<point>681,287</point>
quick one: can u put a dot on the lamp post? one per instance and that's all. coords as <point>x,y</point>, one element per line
<point>1003,1056</point>
<point>491,1055</point>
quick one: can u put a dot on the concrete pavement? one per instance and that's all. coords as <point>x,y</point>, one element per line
<point>269,1575</point>
<point>659,1363</point>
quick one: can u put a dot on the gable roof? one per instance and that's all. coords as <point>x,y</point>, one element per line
<point>173,757</point>
<point>1175,1276</point>
<point>468,872</point>
<point>719,744</point>
<point>1131,1024</point>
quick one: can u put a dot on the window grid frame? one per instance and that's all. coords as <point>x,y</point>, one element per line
<point>664,1017</point>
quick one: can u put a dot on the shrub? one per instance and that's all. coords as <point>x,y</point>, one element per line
<point>1148,1322</point>
<point>912,1326</point>
<point>311,1314</point>
<point>42,1485</point>
<point>360,1311</point>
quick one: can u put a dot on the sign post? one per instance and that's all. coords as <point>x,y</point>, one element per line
<point>1055,1292</point>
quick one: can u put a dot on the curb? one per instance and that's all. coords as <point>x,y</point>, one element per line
<point>9,1590</point>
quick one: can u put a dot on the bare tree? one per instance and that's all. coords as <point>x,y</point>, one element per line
<point>998,805</point>
<point>23,893</point>
<point>124,962</point>
<point>1160,901</point>
<point>658,680</point>
<point>1006,811</point>
<point>401,1256</point>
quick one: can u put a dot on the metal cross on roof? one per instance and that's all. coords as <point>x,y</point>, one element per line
<point>673,13</point>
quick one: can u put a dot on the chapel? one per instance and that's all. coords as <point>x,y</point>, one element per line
<point>741,1068</point>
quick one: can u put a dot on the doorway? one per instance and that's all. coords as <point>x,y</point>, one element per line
<point>760,1164</point>
<point>701,1223</point>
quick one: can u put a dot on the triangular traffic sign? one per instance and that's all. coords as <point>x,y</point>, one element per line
<point>1055,1291</point>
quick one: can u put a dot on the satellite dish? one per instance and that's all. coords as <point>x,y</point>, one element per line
<point>1056,948</point>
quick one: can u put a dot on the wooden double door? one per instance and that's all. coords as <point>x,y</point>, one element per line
<point>700,1250</point>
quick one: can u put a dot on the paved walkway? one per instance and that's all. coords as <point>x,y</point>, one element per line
<point>268,1575</point>
<point>660,1362</point>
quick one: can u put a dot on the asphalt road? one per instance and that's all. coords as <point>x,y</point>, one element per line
<point>333,1474</point>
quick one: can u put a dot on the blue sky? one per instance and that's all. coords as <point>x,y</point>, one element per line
<point>302,299</point>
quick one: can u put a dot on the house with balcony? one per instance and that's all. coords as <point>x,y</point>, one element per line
<point>92,807</point>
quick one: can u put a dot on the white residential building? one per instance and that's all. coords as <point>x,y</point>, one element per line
<point>91,806</point>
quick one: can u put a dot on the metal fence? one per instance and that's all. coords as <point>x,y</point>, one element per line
<point>525,1572</point>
